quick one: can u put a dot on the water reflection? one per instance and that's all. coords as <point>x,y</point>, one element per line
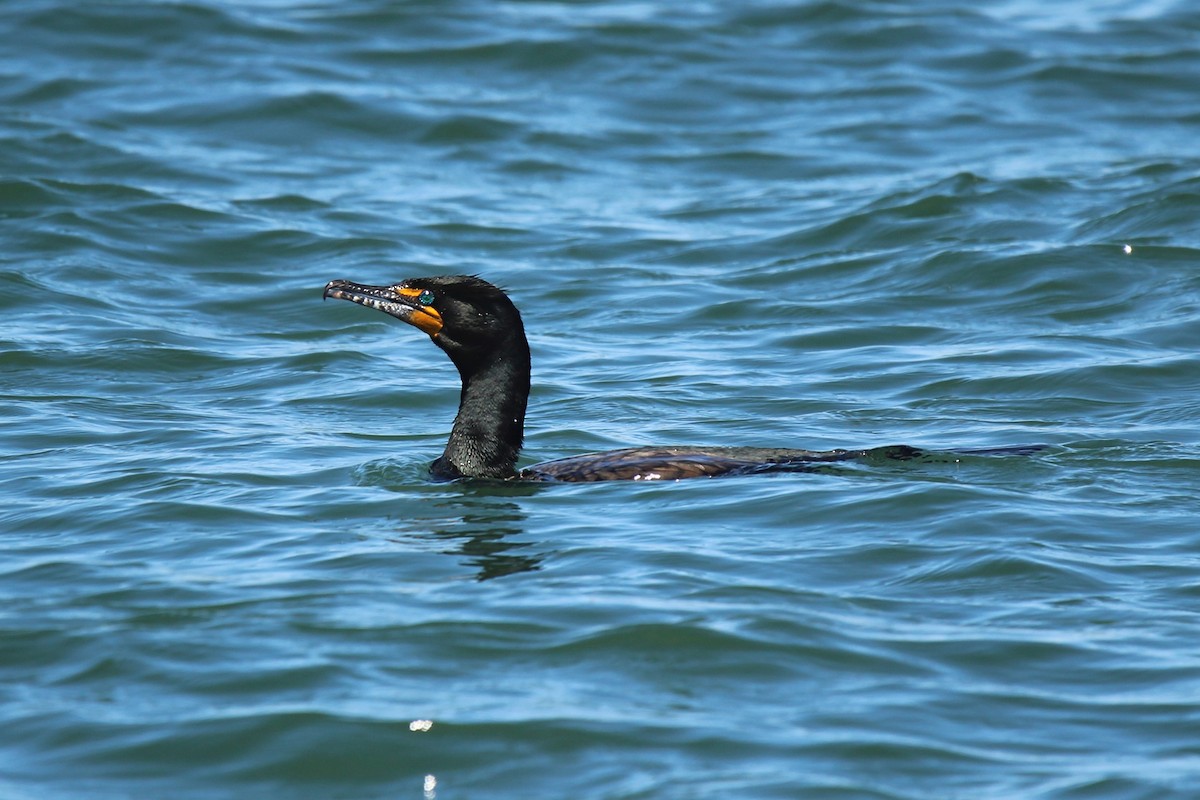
<point>476,520</point>
<point>480,523</point>
<point>483,536</point>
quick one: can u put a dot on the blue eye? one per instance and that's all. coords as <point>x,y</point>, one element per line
<point>425,298</point>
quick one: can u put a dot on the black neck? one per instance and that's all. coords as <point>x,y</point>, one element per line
<point>490,425</point>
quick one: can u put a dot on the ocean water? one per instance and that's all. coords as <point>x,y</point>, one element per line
<point>225,573</point>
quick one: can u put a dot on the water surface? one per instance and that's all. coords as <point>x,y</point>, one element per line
<point>225,573</point>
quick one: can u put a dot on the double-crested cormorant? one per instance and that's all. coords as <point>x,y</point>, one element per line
<point>480,329</point>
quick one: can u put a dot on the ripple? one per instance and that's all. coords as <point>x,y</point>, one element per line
<point>226,572</point>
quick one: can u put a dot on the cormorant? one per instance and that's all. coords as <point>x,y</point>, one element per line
<point>480,329</point>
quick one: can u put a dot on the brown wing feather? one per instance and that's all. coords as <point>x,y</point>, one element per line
<point>675,463</point>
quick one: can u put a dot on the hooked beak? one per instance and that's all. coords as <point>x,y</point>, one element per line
<point>399,301</point>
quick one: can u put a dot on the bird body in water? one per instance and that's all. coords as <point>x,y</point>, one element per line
<point>481,331</point>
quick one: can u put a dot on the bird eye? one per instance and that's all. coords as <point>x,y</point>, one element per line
<point>425,298</point>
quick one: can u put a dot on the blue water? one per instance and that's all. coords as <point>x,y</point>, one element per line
<point>224,572</point>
